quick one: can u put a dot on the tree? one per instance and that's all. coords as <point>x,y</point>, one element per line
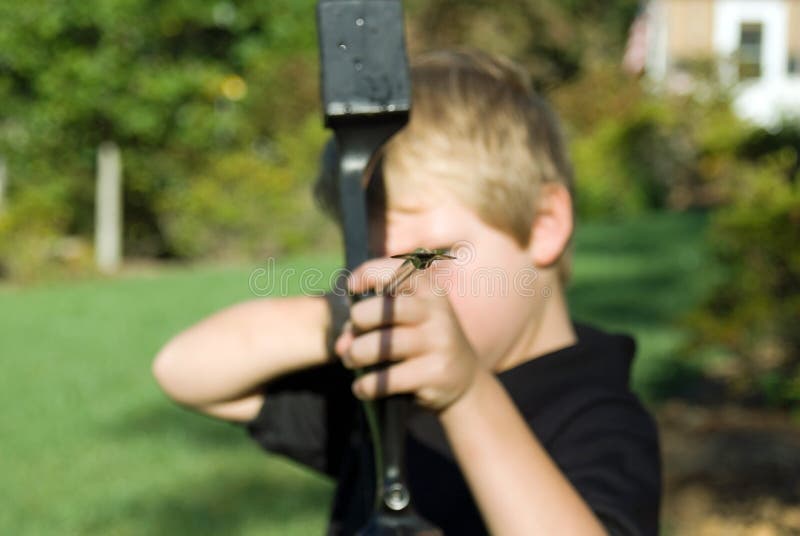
<point>178,85</point>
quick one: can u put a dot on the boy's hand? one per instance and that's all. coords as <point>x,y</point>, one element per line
<point>418,330</point>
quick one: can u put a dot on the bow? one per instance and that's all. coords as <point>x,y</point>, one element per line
<point>367,98</point>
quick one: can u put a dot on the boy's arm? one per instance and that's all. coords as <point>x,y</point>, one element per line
<point>219,365</point>
<point>516,484</point>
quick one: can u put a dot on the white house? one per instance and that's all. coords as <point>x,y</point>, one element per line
<point>755,44</point>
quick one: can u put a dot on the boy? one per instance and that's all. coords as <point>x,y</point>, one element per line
<point>526,424</point>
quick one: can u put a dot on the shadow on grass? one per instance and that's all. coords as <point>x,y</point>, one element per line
<point>168,420</point>
<point>275,497</point>
<point>220,504</point>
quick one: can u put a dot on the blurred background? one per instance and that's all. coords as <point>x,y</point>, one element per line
<point>200,122</point>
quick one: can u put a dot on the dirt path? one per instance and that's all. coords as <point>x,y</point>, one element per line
<point>729,471</point>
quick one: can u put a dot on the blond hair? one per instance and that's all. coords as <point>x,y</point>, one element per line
<point>479,132</point>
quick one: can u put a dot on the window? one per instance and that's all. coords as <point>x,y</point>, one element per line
<point>750,37</point>
<point>794,63</point>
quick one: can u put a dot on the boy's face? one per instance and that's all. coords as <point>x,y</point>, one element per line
<point>494,289</point>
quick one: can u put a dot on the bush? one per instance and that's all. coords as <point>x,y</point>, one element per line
<point>635,150</point>
<point>748,326</point>
<point>245,203</point>
<point>31,230</point>
<point>605,183</point>
<point>191,94</point>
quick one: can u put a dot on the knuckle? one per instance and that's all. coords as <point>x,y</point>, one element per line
<point>367,347</point>
<point>440,367</point>
<point>367,387</point>
<point>432,338</point>
<point>405,341</point>
<point>360,313</point>
<point>408,308</point>
<point>356,313</point>
<point>428,397</point>
<point>435,368</point>
<point>359,351</point>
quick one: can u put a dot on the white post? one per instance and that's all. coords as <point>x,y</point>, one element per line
<point>108,208</point>
<point>3,184</point>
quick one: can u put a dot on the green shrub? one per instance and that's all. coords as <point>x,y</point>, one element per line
<point>190,93</point>
<point>749,325</point>
<point>636,150</point>
<point>246,204</point>
<point>603,189</point>
<point>30,231</point>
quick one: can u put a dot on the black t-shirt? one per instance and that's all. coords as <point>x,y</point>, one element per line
<point>576,400</point>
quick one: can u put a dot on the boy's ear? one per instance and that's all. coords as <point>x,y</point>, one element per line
<point>552,226</point>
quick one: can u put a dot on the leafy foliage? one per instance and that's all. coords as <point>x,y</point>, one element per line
<point>190,91</point>
<point>30,230</point>
<point>215,108</point>
<point>748,326</point>
<point>636,150</point>
<point>555,41</point>
<point>219,210</point>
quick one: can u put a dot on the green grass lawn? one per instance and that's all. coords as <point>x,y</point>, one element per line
<point>642,277</point>
<point>90,446</point>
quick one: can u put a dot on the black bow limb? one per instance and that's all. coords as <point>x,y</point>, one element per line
<point>366,94</point>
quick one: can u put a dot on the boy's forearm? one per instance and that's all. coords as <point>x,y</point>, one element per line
<point>517,486</point>
<point>232,353</point>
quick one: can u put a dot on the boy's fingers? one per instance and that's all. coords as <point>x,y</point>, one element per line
<point>344,340</point>
<point>373,273</point>
<point>387,344</point>
<point>387,310</point>
<point>405,377</point>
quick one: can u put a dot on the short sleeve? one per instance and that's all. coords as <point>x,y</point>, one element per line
<point>609,451</point>
<point>308,415</point>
